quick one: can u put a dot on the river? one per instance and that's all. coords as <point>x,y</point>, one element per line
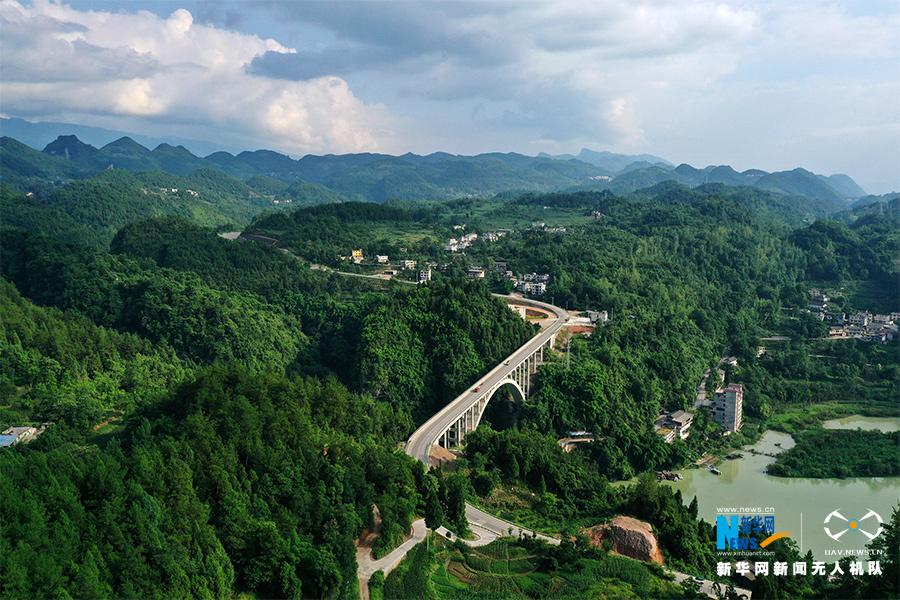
<point>800,506</point>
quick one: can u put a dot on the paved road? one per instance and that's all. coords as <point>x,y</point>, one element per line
<point>368,565</point>
<point>709,587</point>
<point>421,440</point>
<point>486,527</point>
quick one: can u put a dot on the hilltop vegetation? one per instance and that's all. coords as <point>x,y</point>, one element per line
<point>90,211</point>
<point>378,177</point>
<point>234,480</point>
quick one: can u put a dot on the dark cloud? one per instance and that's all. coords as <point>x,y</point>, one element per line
<point>219,14</point>
<point>408,30</point>
<point>337,59</point>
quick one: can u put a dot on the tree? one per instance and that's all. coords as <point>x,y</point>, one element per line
<point>455,503</point>
<point>434,513</point>
<point>886,548</point>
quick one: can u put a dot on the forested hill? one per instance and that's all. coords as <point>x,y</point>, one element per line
<point>92,210</point>
<point>377,177</point>
<point>225,417</point>
<point>798,182</point>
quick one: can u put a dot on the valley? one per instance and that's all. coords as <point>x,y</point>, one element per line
<point>224,417</point>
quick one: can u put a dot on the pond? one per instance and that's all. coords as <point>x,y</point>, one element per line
<point>868,423</point>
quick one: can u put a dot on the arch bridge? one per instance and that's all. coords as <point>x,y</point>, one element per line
<point>451,424</point>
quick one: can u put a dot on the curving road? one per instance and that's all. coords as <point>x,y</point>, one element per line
<point>419,444</point>
<point>487,527</point>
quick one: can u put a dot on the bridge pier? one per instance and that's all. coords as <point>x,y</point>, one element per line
<point>519,375</point>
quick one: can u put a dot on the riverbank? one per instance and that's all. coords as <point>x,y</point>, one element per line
<point>799,505</point>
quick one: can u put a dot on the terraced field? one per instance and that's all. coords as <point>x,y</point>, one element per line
<point>505,568</point>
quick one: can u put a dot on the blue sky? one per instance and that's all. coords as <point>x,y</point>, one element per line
<point>769,85</point>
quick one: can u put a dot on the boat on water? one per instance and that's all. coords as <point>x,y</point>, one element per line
<point>715,471</point>
<point>668,476</point>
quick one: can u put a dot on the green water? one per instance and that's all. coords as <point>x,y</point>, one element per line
<point>867,423</point>
<point>799,505</point>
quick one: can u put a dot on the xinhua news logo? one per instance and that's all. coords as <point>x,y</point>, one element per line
<point>746,532</point>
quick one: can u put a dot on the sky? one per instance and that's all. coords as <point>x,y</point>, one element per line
<point>771,85</point>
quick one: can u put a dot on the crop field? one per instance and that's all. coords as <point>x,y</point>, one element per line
<point>508,569</point>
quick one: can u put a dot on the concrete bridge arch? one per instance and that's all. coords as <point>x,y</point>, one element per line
<point>469,421</point>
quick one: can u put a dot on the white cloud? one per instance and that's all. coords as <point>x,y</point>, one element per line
<point>85,64</point>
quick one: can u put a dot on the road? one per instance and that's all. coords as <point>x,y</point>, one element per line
<point>368,565</point>
<point>702,398</point>
<point>420,442</point>
<point>710,588</point>
<point>486,527</point>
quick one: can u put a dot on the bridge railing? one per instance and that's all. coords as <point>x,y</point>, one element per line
<point>459,405</point>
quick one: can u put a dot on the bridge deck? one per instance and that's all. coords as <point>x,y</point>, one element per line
<point>430,432</point>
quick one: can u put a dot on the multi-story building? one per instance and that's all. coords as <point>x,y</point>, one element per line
<point>424,275</point>
<point>529,287</point>
<point>860,318</point>
<point>667,434</point>
<point>728,406</point>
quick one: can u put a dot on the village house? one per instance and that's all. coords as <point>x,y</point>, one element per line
<point>601,316</point>
<point>728,407</point>
<point>860,318</point>
<point>14,435</point>
<point>533,288</point>
<point>817,306</point>
<point>680,422</point>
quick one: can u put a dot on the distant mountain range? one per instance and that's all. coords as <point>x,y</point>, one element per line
<point>38,135</point>
<point>377,177</point>
<point>798,182</point>
<point>614,163</point>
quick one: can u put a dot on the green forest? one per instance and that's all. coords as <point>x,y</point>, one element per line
<point>853,453</point>
<point>224,417</point>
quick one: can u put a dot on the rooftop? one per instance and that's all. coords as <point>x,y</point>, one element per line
<point>679,416</point>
